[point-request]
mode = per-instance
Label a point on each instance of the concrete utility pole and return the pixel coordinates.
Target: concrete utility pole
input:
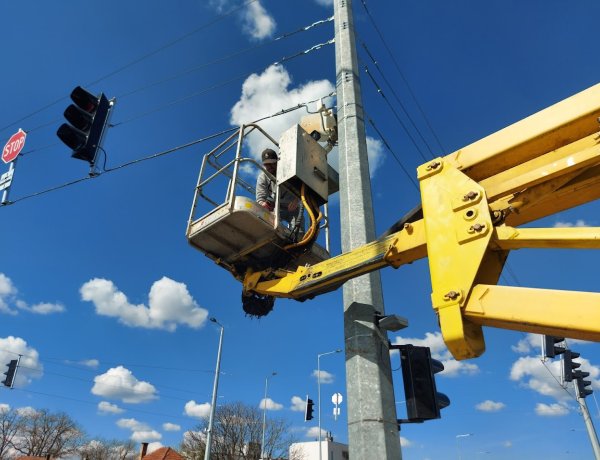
(372, 422)
(588, 421)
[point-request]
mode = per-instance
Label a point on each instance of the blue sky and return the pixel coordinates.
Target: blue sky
(98, 283)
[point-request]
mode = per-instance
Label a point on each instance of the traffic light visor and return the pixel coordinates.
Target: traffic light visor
(85, 100)
(72, 137)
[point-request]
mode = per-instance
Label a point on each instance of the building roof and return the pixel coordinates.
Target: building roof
(164, 453)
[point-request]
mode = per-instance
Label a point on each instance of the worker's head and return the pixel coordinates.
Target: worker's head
(269, 160)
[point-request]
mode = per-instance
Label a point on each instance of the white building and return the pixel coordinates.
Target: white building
(310, 450)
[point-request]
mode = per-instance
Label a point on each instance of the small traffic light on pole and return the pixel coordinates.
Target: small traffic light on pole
(308, 410)
(423, 402)
(584, 386)
(10, 374)
(569, 365)
(87, 120)
(550, 348)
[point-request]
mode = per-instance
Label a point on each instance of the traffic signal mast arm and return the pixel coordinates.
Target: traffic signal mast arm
(471, 200)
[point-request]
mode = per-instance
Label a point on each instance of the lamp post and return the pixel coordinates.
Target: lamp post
(319, 391)
(262, 446)
(214, 394)
(466, 435)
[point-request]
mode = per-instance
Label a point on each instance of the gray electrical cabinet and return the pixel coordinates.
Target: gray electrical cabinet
(302, 160)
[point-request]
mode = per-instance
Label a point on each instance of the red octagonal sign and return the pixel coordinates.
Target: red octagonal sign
(14, 146)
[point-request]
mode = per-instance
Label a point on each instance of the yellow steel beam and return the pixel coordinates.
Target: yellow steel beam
(543, 311)
(547, 130)
(555, 164)
(507, 238)
(397, 249)
(583, 188)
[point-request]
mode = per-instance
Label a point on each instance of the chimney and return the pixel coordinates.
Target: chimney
(144, 450)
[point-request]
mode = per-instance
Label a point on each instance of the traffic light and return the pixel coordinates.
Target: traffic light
(584, 386)
(423, 402)
(569, 366)
(10, 374)
(308, 411)
(87, 119)
(550, 348)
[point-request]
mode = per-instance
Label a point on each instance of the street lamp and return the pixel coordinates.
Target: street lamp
(319, 391)
(262, 446)
(214, 394)
(466, 435)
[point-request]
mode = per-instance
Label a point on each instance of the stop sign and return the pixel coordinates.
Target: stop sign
(14, 146)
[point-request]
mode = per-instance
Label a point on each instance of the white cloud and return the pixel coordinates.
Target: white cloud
(551, 410)
(269, 404)
(258, 22)
(29, 367)
(169, 304)
(313, 432)
(26, 411)
(298, 404)
(104, 407)
(405, 442)
(490, 406)
(171, 427)
(324, 2)
(439, 351)
(152, 446)
(4, 408)
(577, 223)
(7, 292)
(193, 409)
(93, 363)
(119, 383)
(507, 444)
(529, 343)
(268, 93)
(140, 431)
(544, 378)
(8, 297)
(326, 377)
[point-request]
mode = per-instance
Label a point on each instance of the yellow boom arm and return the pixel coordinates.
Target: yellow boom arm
(472, 201)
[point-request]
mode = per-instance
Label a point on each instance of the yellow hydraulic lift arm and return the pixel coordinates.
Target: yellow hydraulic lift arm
(541, 165)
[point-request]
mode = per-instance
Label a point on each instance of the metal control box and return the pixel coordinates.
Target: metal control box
(302, 160)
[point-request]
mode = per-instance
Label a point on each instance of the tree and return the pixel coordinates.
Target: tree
(100, 449)
(41, 433)
(9, 427)
(237, 434)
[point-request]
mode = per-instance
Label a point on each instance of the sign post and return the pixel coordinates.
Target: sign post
(11, 150)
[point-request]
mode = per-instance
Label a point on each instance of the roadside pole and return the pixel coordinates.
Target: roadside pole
(372, 422)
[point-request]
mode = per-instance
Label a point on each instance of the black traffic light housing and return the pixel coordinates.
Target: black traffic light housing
(10, 374)
(569, 365)
(423, 402)
(87, 119)
(550, 348)
(584, 386)
(308, 410)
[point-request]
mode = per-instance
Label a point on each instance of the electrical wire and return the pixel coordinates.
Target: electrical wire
(159, 154)
(374, 24)
(137, 60)
(225, 58)
(391, 88)
(382, 94)
(94, 403)
(387, 146)
(223, 83)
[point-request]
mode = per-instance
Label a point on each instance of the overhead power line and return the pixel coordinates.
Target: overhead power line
(137, 60)
(223, 83)
(411, 92)
(159, 154)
